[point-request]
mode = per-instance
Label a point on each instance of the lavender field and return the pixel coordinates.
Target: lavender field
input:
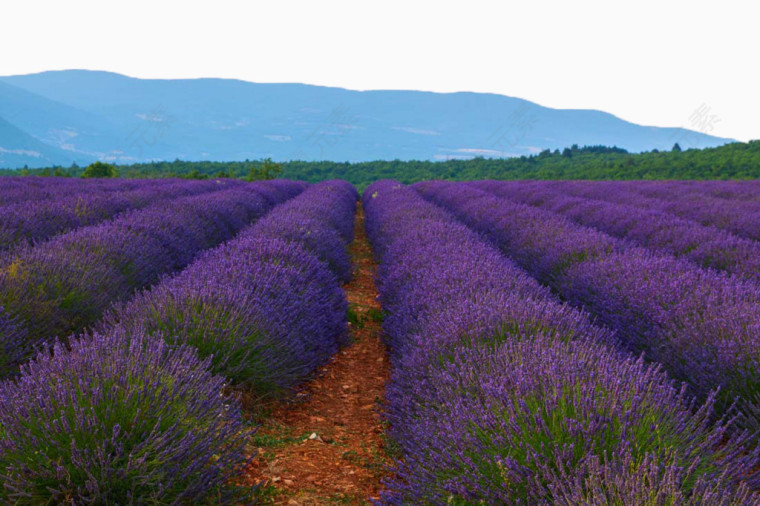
(553, 342)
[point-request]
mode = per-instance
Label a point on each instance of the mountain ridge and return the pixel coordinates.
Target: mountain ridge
(138, 120)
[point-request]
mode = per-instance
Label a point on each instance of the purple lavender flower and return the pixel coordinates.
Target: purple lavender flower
(264, 305)
(702, 325)
(742, 217)
(13, 344)
(500, 394)
(26, 189)
(117, 418)
(35, 220)
(65, 284)
(708, 246)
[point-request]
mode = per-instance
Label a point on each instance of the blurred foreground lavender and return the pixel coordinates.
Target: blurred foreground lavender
(117, 419)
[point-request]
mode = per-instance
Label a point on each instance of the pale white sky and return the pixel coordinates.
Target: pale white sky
(650, 62)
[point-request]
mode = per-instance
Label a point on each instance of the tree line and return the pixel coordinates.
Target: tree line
(732, 161)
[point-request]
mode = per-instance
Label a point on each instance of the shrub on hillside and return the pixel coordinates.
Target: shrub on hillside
(100, 169)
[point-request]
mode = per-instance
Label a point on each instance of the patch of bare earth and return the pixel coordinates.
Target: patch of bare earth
(328, 446)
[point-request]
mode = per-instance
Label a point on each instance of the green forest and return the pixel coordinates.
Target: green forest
(731, 161)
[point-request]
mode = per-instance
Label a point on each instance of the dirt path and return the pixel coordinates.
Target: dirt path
(328, 446)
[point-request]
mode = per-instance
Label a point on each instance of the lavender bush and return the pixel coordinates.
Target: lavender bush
(740, 217)
(703, 326)
(544, 420)
(26, 189)
(729, 190)
(321, 221)
(65, 284)
(12, 349)
(708, 246)
(118, 419)
(499, 394)
(33, 221)
(263, 306)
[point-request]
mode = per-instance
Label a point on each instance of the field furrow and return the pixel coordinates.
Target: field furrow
(327, 445)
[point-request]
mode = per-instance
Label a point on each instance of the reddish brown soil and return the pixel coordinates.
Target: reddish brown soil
(328, 446)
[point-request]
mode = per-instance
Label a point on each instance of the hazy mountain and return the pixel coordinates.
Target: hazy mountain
(17, 148)
(113, 117)
(85, 134)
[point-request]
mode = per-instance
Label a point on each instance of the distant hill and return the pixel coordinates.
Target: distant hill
(17, 148)
(125, 120)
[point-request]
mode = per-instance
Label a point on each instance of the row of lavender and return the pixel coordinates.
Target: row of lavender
(35, 220)
(63, 285)
(702, 325)
(22, 189)
(705, 245)
(687, 190)
(140, 410)
(499, 394)
(739, 216)
(729, 190)
(267, 305)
